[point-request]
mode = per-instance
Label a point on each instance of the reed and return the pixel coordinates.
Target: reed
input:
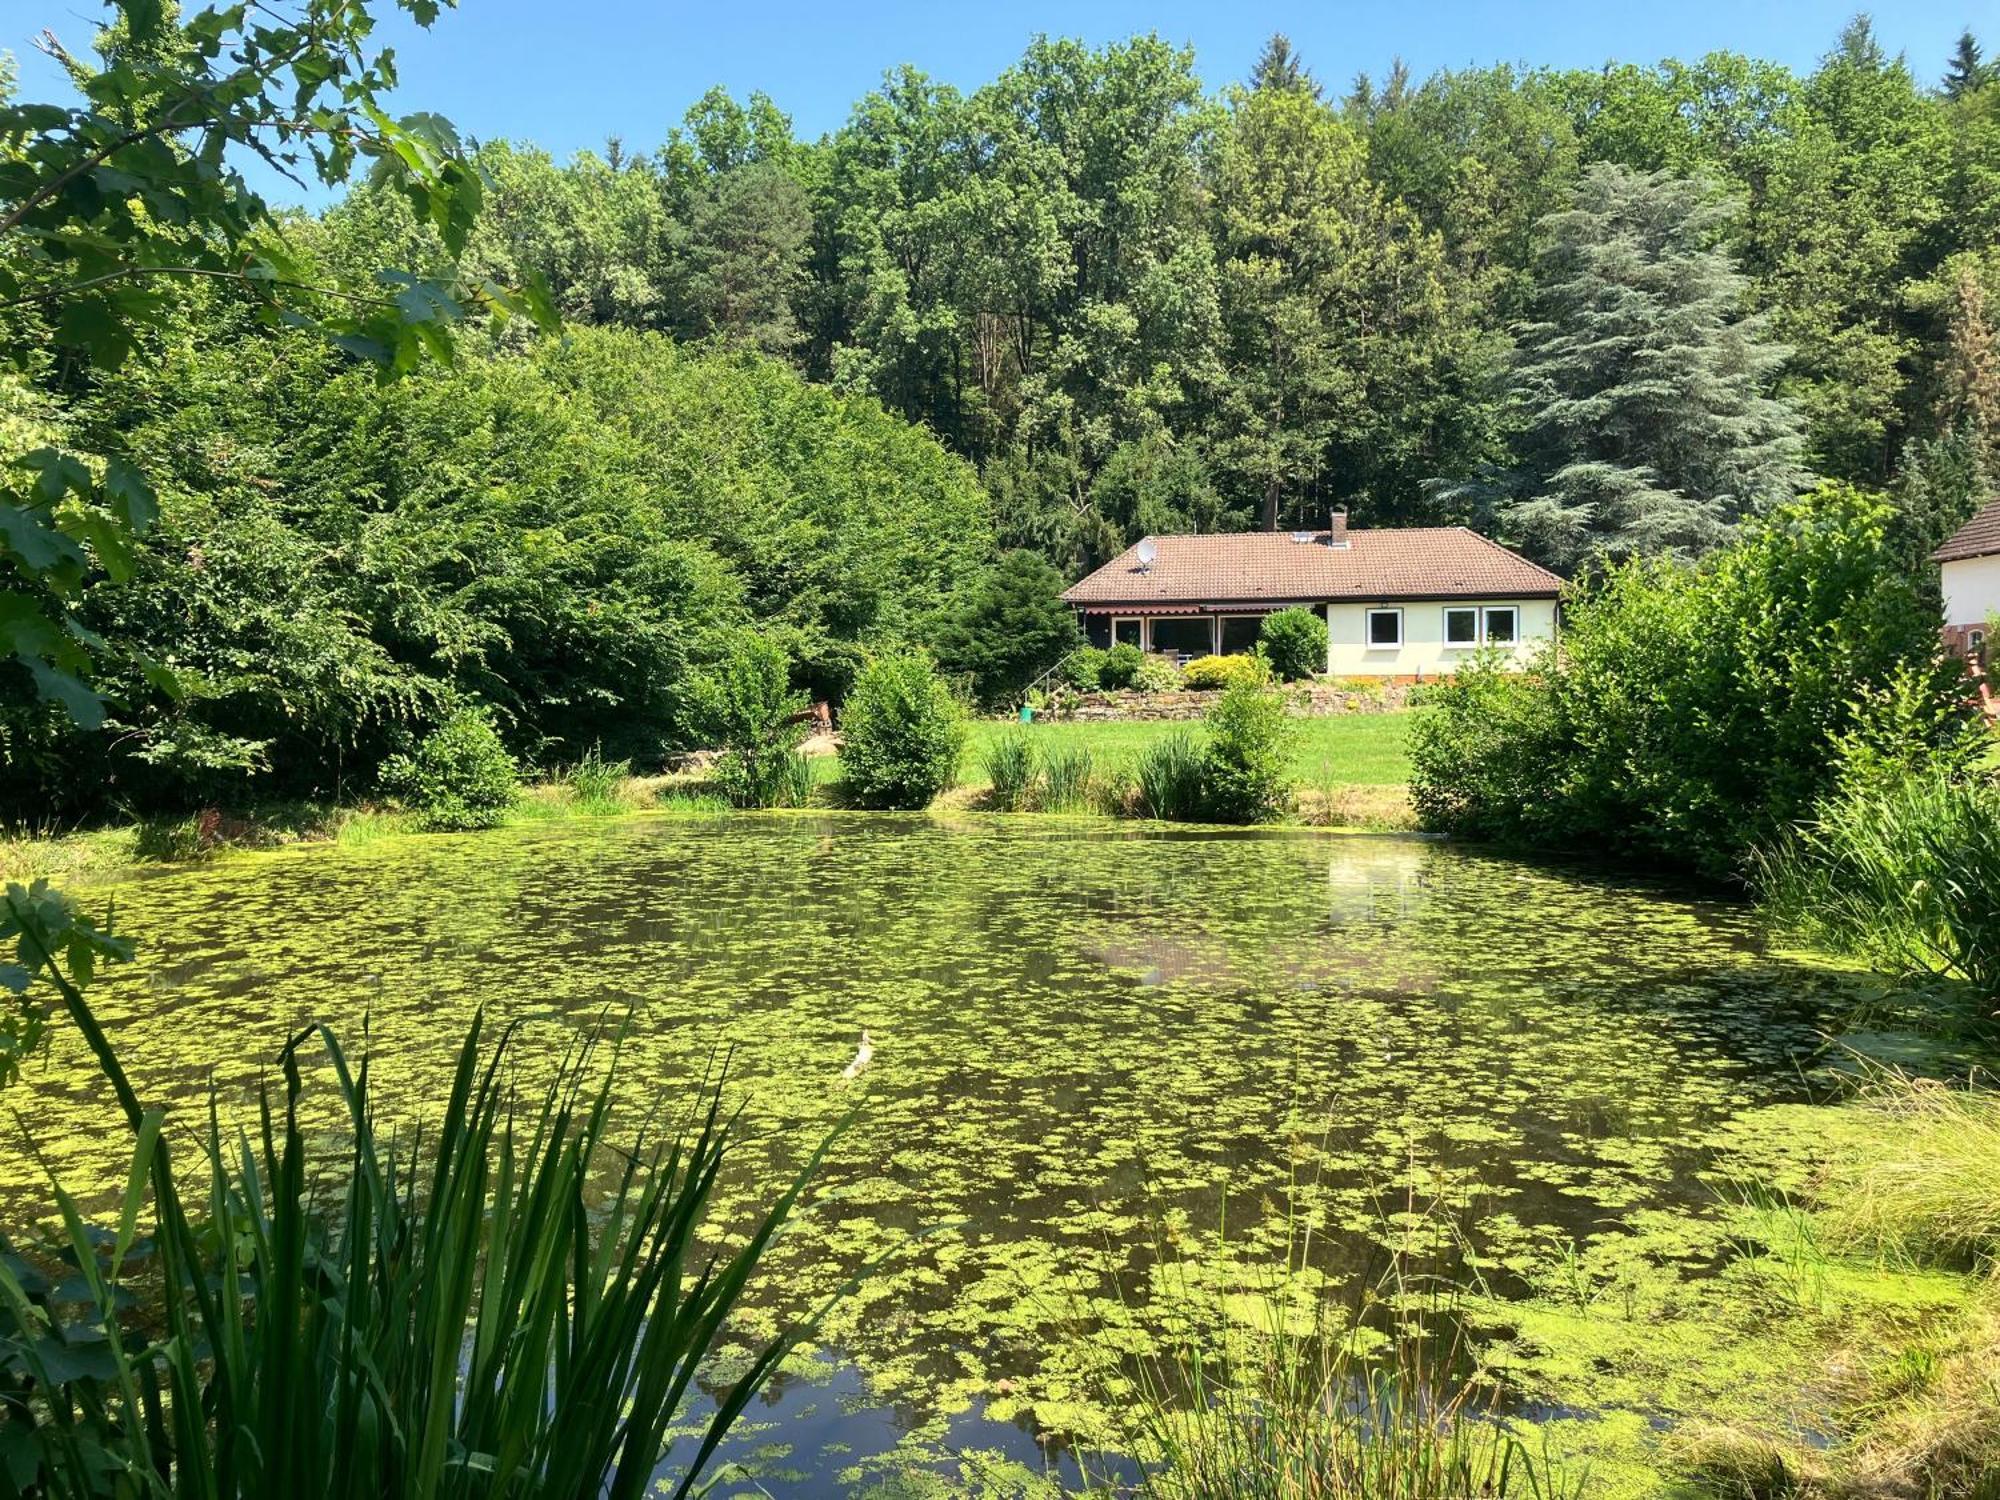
(1009, 761)
(516, 1305)
(1066, 777)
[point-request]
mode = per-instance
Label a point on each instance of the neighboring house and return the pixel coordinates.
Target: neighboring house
(1403, 603)
(1970, 565)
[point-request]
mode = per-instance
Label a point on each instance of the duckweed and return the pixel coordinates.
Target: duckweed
(1094, 1050)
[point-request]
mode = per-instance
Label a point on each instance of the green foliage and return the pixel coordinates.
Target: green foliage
(568, 536)
(1246, 772)
(1083, 669)
(747, 706)
(1641, 388)
(1010, 764)
(343, 1327)
(1693, 712)
(1207, 674)
(1171, 777)
(1156, 674)
(459, 777)
(1120, 666)
(50, 939)
(1897, 865)
(902, 733)
(597, 785)
(1481, 751)
(113, 208)
(1293, 641)
(1066, 778)
(1010, 627)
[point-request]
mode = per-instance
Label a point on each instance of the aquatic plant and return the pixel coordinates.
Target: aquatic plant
(1902, 870)
(1278, 1391)
(598, 786)
(1009, 763)
(902, 733)
(1929, 1185)
(518, 1304)
(1169, 773)
(1066, 777)
(459, 777)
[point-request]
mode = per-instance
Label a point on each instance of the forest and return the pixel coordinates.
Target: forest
(820, 388)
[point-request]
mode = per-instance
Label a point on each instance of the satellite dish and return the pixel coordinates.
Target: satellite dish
(1147, 550)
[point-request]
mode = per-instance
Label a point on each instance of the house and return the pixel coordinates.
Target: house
(1970, 565)
(1406, 603)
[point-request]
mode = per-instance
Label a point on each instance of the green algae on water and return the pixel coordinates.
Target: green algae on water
(1088, 1042)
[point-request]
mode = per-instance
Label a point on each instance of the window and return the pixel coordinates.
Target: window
(1385, 629)
(1502, 625)
(1239, 634)
(1461, 627)
(1184, 635)
(1125, 633)
(1975, 644)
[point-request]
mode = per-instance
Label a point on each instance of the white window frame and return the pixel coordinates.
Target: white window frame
(1139, 620)
(1485, 632)
(1368, 641)
(1478, 626)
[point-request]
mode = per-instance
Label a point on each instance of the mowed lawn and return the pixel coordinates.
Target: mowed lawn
(1346, 749)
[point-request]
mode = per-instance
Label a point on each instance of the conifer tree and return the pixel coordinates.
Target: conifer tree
(1969, 398)
(1966, 71)
(1641, 389)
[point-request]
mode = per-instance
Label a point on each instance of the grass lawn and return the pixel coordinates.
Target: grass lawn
(1343, 749)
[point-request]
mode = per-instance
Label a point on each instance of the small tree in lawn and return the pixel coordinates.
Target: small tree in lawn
(1294, 642)
(1641, 389)
(746, 705)
(902, 733)
(1011, 626)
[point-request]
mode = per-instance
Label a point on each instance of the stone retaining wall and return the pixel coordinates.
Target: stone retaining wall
(1305, 701)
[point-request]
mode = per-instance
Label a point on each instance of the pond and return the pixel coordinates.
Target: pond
(1089, 1041)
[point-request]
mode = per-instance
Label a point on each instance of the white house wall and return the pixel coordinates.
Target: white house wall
(1971, 590)
(1424, 652)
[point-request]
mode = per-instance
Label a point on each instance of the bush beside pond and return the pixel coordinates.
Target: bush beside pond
(459, 777)
(902, 733)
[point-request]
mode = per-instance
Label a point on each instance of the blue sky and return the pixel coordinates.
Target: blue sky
(568, 75)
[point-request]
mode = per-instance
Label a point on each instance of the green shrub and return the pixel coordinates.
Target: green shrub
(172, 841)
(746, 705)
(1119, 666)
(1248, 752)
(1009, 627)
(596, 785)
(1156, 674)
(1170, 773)
(902, 734)
(1009, 763)
(1481, 753)
(1293, 641)
(1066, 778)
(1206, 674)
(1693, 712)
(1083, 669)
(460, 777)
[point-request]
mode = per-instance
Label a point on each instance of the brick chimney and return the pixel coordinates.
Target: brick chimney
(1336, 529)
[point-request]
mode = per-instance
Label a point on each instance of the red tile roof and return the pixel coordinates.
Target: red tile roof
(1979, 537)
(1264, 567)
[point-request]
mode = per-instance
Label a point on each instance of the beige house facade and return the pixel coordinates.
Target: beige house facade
(1407, 604)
